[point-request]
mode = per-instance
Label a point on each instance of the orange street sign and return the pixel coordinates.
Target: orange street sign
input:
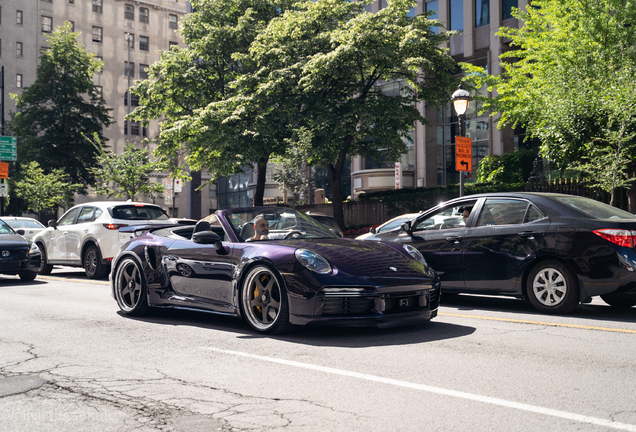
(4, 170)
(463, 154)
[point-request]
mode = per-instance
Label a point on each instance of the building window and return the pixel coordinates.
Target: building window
(19, 17)
(129, 12)
(482, 12)
(144, 132)
(134, 99)
(48, 1)
(432, 6)
(233, 191)
(456, 12)
(506, 8)
(71, 1)
(134, 128)
(97, 6)
(129, 69)
(144, 15)
(172, 23)
(144, 43)
(130, 38)
(0, 47)
(18, 80)
(72, 25)
(143, 71)
(97, 34)
(18, 49)
(47, 24)
(101, 68)
(171, 44)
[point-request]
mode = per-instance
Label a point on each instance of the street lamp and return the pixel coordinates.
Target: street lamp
(461, 99)
(127, 37)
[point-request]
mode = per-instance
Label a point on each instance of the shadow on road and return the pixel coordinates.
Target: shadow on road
(346, 337)
(592, 311)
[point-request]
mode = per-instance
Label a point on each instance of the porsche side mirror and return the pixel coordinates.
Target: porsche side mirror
(208, 237)
(53, 223)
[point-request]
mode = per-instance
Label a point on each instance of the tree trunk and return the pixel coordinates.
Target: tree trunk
(335, 173)
(612, 195)
(260, 181)
(631, 197)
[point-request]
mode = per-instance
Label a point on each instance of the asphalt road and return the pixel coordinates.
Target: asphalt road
(70, 362)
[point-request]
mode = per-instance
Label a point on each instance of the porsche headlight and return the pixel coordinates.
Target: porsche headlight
(313, 261)
(34, 249)
(415, 254)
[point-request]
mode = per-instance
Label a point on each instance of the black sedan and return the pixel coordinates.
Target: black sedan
(555, 250)
(274, 267)
(17, 254)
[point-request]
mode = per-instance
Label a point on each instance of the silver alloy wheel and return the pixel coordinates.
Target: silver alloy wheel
(262, 298)
(550, 287)
(128, 286)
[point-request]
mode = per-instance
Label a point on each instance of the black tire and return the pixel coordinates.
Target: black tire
(131, 291)
(27, 276)
(264, 301)
(552, 288)
(45, 268)
(620, 300)
(93, 264)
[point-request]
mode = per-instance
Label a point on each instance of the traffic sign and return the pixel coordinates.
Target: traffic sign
(8, 148)
(4, 170)
(463, 154)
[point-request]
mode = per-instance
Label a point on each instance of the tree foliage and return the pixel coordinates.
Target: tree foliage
(320, 66)
(571, 81)
(127, 174)
(513, 167)
(42, 191)
(292, 170)
(59, 108)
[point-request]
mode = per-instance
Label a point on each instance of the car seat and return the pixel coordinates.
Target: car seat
(202, 226)
(247, 231)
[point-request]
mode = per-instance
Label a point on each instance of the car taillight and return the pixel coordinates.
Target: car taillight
(114, 226)
(620, 237)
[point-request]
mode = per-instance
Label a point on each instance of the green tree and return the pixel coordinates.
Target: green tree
(320, 66)
(571, 82)
(513, 167)
(191, 90)
(292, 168)
(42, 191)
(127, 174)
(59, 108)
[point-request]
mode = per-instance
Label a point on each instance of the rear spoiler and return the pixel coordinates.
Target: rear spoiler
(149, 227)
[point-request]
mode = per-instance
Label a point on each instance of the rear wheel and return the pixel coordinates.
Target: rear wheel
(28, 276)
(619, 300)
(93, 264)
(45, 268)
(264, 301)
(552, 288)
(130, 288)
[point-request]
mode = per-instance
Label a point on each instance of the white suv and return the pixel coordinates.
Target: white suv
(87, 235)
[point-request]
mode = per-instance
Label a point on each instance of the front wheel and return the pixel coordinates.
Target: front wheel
(28, 276)
(45, 268)
(93, 264)
(264, 301)
(620, 300)
(552, 288)
(130, 288)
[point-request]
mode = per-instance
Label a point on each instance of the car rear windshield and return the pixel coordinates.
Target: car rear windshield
(595, 209)
(139, 212)
(21, 223)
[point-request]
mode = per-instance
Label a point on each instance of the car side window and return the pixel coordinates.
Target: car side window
(502, 212)
(98, 213)
(446, 218)
(69, 217)
(533, 214)
(86, 215)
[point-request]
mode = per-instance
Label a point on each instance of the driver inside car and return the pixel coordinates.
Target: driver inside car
(261, 229)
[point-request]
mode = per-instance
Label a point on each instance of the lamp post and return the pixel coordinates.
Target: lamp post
(127, 37)
(461, 98)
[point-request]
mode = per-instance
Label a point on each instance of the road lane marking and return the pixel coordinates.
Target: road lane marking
(609, 329)
(438, 390)
(74, 280)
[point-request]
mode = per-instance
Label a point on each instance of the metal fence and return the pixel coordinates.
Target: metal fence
(580, 187)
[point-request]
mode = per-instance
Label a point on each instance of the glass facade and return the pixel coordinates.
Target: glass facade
(233, 191)
(433, 6)
(506, 8)
(456, 12)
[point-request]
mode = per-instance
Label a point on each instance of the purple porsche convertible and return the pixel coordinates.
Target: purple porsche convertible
(275, 268)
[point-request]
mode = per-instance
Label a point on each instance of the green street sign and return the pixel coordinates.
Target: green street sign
(8, 148)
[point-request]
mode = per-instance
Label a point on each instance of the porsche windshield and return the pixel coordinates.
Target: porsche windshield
(275, 223)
